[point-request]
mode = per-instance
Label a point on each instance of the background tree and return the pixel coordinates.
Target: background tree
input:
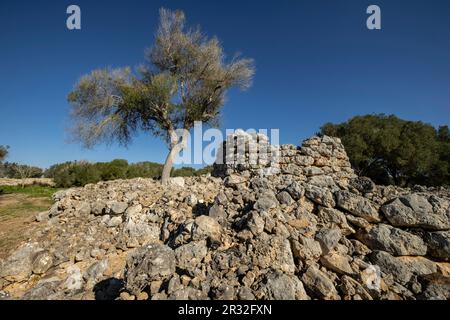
(3, 152)
(391, 150)
(184, 80)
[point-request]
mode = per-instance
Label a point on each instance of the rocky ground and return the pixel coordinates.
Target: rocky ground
(308, 228)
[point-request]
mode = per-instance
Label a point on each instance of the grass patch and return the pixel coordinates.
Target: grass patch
(26, 207)
(32, 191)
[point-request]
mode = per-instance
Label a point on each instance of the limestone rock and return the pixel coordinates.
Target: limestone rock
(395, 241)
(357, 205)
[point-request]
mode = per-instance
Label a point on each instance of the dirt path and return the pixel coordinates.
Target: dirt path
(17, 213)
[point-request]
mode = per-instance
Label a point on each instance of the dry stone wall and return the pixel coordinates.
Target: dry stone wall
(301, 227)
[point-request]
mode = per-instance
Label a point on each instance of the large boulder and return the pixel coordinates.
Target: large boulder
(357, 205)
(439, 244)
(395, 241)
(280, 286)
(154, 262)
(415, 210)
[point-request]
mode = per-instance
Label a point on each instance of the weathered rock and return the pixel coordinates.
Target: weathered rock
(395, 241)
(333, 218)
(279, 286)
(205, 227)
(337, 262)
(353, 290)
(189, 256)
(318, 283)
(328, 239)
(177, 182)
(42, 216)
(118, 207)
(285, 198)
(363, 184)
(42, 262)
(439, 244)
(357, 206)
(414, 210)
(296, 190)
(266, 201)
(74, 281)
(149, 263)
(19, 265)
(260, 231)
(320, 196)
(392, 265)
(306, 249)
(115, 222)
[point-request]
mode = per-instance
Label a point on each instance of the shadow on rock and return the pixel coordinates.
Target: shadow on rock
(108, 289)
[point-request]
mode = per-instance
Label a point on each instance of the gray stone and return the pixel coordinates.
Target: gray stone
(18, 266)
(74, 281)
(95, 272)
(266, 201)
(98, 207)
(118, 207)
(395, 241)
(357, 206)
(363, 184)
(319, 285)
(306, 249)
(319, 195)
(115, 222)
(42, 216)
(147, 264)
(279, 286)
(438, 244)
(392, 265)
(414, 210)
(83, 208)
(333, 218)
(328, 239)
(189, 256)
(285, 198)
(296, 190)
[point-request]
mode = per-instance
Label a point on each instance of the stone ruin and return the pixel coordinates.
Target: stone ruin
(300, 225)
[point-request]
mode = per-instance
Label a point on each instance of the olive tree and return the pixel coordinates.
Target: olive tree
(185, 79)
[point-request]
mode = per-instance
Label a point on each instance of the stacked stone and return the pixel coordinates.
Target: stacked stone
(243, 152)
(316, 158)
(300, 234)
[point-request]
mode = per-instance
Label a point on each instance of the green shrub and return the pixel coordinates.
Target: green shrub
(80, 173)
(394, 151)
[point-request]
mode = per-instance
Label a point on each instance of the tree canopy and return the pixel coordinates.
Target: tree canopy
(185, 79)
(391, 150)
(3, 152)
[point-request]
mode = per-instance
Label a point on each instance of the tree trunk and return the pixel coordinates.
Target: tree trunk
(168, 166)
(176, 148)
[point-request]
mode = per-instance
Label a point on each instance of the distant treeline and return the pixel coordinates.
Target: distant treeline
(395, 151)
(80, 173)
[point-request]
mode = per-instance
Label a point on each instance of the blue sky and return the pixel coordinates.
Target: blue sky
(316, 62)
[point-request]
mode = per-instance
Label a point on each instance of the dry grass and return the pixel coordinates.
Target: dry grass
(17, 213)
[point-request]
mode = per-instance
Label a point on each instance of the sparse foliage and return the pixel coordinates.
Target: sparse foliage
(3, 152)
(184, 80)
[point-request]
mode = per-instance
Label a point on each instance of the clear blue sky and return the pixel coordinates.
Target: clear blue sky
(316, 62)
